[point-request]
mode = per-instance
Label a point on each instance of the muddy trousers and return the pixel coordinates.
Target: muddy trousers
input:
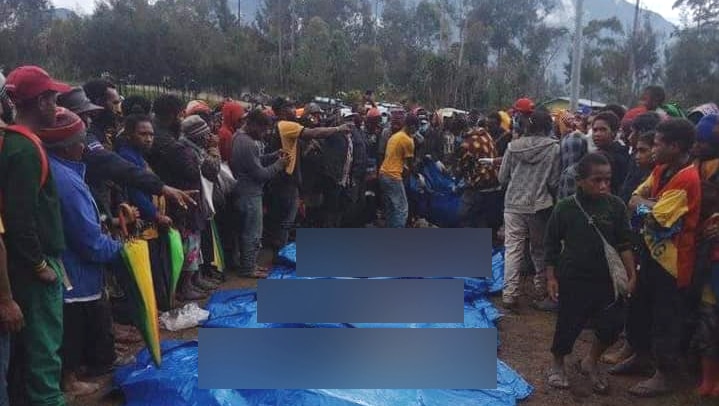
(35, 365)
(518, 228)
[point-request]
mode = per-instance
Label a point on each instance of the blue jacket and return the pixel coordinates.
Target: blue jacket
(137, 198)
(88, 248)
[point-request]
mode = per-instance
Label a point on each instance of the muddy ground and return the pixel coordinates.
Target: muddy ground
(525, 340)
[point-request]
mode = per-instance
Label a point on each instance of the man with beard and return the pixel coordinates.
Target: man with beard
(104, 125)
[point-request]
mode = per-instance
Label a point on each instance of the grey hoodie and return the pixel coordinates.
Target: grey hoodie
(530, 174)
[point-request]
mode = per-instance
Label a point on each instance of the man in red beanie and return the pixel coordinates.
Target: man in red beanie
(35, 239)
(87, 318)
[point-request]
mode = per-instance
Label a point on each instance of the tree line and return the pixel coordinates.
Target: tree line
(461, 53)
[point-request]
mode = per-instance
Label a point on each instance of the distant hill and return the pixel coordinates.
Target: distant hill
(563, 16)
(594, 9)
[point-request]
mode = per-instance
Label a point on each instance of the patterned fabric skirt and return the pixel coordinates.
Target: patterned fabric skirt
(193, 252)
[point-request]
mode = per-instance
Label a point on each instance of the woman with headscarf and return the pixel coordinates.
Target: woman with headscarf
(201, 150)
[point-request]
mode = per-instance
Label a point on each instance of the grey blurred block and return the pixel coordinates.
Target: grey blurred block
(360, 301)
(347, 358)
(396, 252)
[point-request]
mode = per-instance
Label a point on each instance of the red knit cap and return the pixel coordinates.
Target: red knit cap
(68, 130)
(632, 114)
(524, 105)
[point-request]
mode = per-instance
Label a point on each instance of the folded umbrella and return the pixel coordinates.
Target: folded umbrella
(217, 251)
(136, 254)
(177, 260)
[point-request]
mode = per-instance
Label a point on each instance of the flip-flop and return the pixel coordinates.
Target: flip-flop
(624, 368)
(642, 391)
(557, 381)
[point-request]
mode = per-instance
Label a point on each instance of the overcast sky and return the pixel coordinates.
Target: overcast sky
(663, 7)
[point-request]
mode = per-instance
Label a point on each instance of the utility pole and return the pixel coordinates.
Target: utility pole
(577, 55)
(633, 52)
(376, 21)
(239, 12)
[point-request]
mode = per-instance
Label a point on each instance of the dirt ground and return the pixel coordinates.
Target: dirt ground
(525, 340)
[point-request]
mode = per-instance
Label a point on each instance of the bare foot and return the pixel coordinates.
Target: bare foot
(558, 378)
(599, 383)
(652, 387)
(79, 388)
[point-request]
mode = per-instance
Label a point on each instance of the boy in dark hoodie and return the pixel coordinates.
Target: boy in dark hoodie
(530, 175)
(604, 135)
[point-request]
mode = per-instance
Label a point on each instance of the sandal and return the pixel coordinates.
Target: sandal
(558, 380)
(630, 366)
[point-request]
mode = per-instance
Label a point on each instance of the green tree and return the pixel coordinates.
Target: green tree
(312, 64)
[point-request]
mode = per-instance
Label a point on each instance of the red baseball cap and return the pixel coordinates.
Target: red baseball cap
(524, 105)
(27, 82)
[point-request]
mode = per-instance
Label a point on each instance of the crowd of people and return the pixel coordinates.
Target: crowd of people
(84, 170)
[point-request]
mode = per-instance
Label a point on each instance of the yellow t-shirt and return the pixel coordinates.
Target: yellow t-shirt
(400, 147)
(289, 134)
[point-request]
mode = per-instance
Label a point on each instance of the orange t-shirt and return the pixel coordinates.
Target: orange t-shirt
(400, 147)
(289, 135)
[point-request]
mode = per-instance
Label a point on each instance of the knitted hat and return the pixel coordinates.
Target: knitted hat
(68, 130)
(632, 114)
(705, 129)
(524, 105)
(196, 107)
(195, 128)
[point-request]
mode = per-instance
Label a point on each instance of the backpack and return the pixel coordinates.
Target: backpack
(30, 136)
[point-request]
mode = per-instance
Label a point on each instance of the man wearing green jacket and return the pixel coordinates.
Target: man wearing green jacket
(34, 238)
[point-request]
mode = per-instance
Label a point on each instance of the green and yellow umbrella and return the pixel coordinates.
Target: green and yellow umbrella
(136, 254)
(217, 252)
(177, 261)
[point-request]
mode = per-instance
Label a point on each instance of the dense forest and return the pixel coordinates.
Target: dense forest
(467, 53)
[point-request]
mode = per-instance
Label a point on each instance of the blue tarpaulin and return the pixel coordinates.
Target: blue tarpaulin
(176, 383)
(439, 201)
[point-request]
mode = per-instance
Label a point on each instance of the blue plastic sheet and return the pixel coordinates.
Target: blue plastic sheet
(176, 383)
(288, 255)
(440, 202)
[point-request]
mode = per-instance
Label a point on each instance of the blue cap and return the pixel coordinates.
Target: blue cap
(705, 129)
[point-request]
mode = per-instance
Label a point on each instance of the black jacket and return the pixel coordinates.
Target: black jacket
(618, 156)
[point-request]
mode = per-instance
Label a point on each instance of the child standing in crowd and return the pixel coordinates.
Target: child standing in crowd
(672, 196)
(578, 274)
(644, 161)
